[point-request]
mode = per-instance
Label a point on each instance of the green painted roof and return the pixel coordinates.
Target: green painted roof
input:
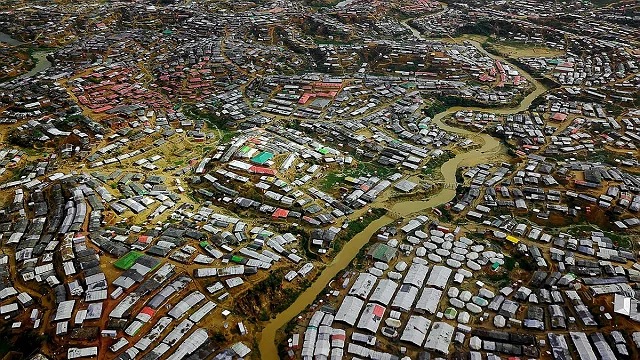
(127, 260)
(451, 311)
(262, 158)
(382, 252)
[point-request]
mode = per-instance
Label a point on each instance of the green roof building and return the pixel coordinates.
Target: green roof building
(262, 158)
(382, 252)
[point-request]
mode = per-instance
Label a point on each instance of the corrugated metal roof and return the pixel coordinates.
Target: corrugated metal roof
(416, 330)
(349, 310)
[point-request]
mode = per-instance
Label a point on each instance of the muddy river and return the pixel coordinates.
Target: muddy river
(491, 150)
(40, 57)
(7, 39)
(42, 64)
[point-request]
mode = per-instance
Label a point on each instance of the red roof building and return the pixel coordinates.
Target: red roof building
(261, 170)
(280, 213)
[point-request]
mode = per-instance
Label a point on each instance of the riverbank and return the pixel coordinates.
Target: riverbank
(491, 150)
(39, 56)
(9, 40)
(41, 63)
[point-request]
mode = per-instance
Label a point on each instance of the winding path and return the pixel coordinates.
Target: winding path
(490, 149)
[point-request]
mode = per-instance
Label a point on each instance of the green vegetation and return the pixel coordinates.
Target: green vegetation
(274, 280)
(227, 136)
(479, 237)
(326, 41)
(305, 244)
(363, 168)
(218, 337)
(488, 28)
(331, 180)
(614, 109)
(600, 155)
(290, 295)
(25, 139)
(17, 174)
(446, 214)
(356, 227)
(509, 263)
(435, 108)
(263, 316)
(25, 343)
(446, 102)
(75, 117)
(295, 124)
(524, 262)
(601, 3)
(434, 164)
(322, 3)
(34, 152)
(361, 260)
(499, 279)
(269, 296)
(510, 48)
(212, 120)
(5, 347)
(620, 240)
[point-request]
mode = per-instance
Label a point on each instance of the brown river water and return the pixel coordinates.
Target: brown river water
(490, 151)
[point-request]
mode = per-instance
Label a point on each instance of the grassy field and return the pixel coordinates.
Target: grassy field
(520, 50)
(333, 179)
(227, 136)
(462, 38)
(509, 49)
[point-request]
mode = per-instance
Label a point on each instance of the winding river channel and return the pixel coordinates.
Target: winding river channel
(42, 64)
(40, 57)
(491, 150)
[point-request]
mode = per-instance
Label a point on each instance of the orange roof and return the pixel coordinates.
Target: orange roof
(262, 170)
(280, 213)
(305, 97)
(378, 311)
(148, 311)
(328, 85)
